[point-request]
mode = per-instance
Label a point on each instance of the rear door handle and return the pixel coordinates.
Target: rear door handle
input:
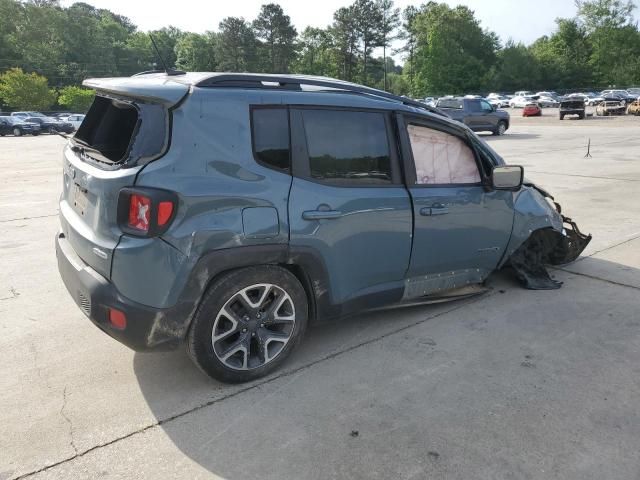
(321, 214)
(434, 210)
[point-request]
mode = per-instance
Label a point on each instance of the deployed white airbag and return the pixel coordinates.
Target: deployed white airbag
(441, 158)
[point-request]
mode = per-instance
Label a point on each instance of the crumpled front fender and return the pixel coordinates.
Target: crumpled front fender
(541, 235)
(532, 212)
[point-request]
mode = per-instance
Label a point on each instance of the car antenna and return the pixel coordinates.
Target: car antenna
(167, 70)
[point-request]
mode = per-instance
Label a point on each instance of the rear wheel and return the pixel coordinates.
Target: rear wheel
(248, 322)
(561, 116)
(17, 132)
(501, 128)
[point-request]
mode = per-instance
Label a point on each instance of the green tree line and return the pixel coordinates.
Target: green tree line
(443, 49)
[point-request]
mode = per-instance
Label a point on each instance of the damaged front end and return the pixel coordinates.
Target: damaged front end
(541, 236)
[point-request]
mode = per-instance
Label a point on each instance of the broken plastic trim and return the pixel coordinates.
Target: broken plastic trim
(547, 247)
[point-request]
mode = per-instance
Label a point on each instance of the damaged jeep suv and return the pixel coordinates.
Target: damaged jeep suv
(227, 211)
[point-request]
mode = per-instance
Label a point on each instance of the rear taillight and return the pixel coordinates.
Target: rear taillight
(139, 212)
(146, 212)
(165, 211)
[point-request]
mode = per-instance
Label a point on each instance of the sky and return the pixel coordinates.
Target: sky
(521, 20)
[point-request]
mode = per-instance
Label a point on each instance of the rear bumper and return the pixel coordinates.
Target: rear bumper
(147, 328)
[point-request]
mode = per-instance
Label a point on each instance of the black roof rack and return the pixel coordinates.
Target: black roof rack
(294, 82)
(169, 72)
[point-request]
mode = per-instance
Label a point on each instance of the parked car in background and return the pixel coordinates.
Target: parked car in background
(524, 93)
(476, 113)
(520, 102)
(634, 108)
(27, 114)
(384, 202)
(498, 101)
(551, 94)
(622, 94)
(17, 127)
(531, 110)
(51, 125)
(60, 115)
(546, 101)
(75, 119)
(611, 106)
(634, 91)
(593, 98)
(572, 105)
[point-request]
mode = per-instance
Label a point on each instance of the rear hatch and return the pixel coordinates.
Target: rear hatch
(126, 127)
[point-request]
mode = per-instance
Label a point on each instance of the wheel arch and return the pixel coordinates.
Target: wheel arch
(305, 264)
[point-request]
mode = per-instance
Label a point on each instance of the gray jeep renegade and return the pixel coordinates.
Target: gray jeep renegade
(228, 211)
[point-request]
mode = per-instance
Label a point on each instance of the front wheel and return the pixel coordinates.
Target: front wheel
(17, 132)
(247, 323)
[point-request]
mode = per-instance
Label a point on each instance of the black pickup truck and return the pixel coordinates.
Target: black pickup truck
(572, 106)
(476, 113)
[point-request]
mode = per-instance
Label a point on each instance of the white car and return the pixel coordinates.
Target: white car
(520, 101)
(75, 120)
(523, 93)
(498, 101)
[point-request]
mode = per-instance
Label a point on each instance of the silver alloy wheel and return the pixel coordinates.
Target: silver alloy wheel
(17, 132)
(501, 128)
(253, 326)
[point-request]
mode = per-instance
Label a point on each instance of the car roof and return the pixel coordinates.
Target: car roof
(170, 88)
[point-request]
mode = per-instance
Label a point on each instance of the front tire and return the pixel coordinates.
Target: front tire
(247, 323)
(17, 132)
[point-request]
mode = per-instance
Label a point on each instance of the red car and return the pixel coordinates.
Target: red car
(531, 110)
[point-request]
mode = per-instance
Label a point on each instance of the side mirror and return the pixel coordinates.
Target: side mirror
(507, 177)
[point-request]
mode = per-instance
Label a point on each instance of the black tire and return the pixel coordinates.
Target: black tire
(35, 134)
(17, 132)
(206, 351)
(561, 117)
(581, 116)
(501, 128)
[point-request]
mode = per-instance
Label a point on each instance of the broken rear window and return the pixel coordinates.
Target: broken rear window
(123, 132)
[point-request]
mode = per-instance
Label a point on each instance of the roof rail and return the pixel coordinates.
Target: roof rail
(169, 72)
(294, 82)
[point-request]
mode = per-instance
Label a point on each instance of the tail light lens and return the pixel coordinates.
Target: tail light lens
(146, 212)
(139, 212)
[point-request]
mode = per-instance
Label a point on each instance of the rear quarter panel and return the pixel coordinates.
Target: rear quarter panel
(210, 166)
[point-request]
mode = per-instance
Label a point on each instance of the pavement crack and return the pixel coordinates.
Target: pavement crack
(68, 420)
(254, 386)
(593, 277)
(634, 236)
(28, 218)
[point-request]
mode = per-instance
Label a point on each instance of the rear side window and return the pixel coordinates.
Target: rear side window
(118, 131)
(450, 103)
(347, 147)
(474, 106)
(271, 137)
